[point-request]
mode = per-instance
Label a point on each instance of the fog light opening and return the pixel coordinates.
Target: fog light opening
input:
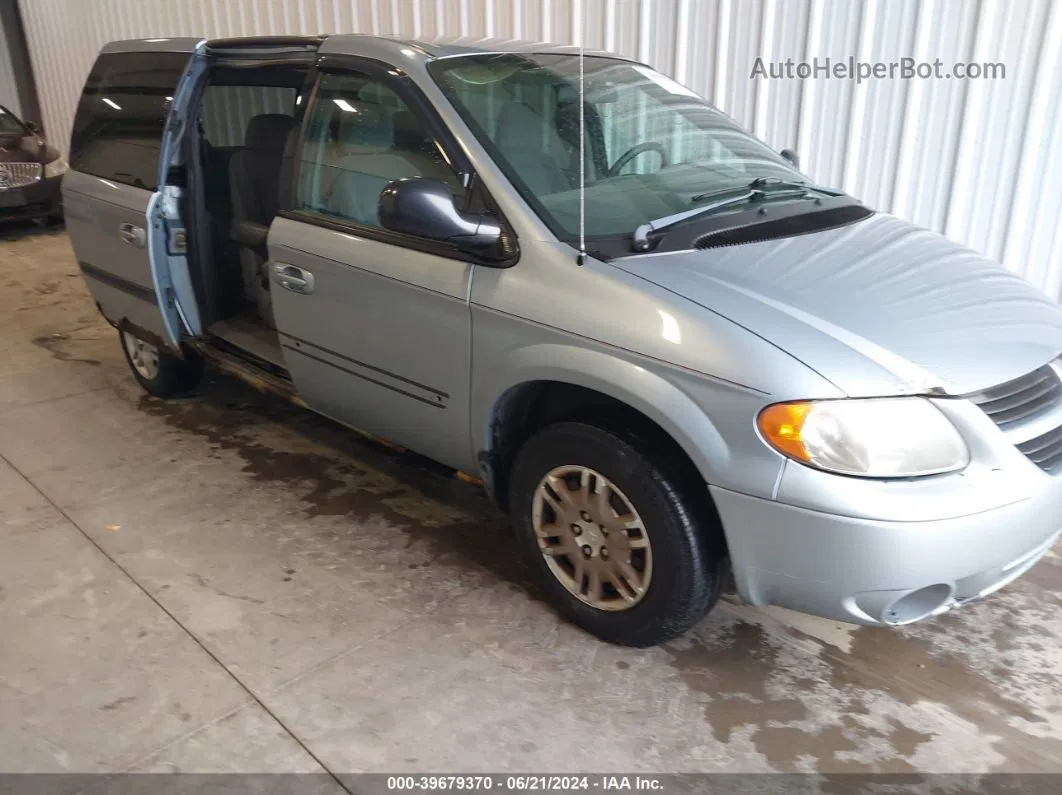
(917, 604)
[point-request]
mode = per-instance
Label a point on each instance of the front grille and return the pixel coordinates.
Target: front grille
(1045, 451)
(1022, 399)
(1029, 411)
(19, 175)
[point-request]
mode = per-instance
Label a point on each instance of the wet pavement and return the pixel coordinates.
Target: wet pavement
(227, 583)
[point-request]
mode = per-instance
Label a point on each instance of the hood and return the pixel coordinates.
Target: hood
(25, 149)
(878, 307)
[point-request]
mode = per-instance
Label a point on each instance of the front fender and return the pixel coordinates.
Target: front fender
(629, 382)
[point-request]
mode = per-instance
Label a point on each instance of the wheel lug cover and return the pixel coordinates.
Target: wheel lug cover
(587, 551)
(576, 530)
(604, 552)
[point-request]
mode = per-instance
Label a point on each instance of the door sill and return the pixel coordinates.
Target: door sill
(251, 336)
(274, 380)
(260, 374)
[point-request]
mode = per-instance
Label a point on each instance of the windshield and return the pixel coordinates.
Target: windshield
(9, 123)
(651, 146)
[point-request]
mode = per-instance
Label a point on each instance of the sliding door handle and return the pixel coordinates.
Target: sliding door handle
(132, 235)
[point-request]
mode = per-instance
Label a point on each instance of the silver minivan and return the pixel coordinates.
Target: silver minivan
(662, 349)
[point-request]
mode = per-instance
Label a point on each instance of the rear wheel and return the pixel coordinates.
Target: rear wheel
(619, 542)
(160, 372)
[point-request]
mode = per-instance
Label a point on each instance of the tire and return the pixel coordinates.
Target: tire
(686, 555)
(160, 373)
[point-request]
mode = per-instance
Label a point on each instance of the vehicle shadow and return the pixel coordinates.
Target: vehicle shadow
(20, 230)
(335, 471)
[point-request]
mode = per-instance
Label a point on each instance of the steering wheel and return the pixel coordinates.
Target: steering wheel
(634, 151)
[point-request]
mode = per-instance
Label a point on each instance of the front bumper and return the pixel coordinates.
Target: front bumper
(42, 198)
(869, 571)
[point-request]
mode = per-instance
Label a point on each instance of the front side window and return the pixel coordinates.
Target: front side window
(651, 145)
(360, 136)
(121, 116)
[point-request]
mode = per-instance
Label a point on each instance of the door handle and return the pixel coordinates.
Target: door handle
(133, 235)
(293, 278)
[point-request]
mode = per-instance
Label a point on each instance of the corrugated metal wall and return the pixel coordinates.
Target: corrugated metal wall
(8, 87)
(980, 160)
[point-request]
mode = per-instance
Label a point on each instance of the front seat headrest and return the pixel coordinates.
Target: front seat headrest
(521, 129)
(268, 132)
(365, 123)
(409, 134)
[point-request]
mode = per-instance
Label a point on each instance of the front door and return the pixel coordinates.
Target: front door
(122, 220)
(375, 326)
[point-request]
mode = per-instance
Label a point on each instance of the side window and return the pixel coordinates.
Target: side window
(227, 110)
(120, 118)
(360, 136)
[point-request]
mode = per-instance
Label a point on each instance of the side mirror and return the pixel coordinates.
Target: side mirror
(33, 128)
(792, 157)
(425, 208)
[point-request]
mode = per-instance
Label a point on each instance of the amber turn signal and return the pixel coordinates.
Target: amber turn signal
(782, 424)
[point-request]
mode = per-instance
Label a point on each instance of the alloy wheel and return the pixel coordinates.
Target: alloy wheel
(144, 357)
(592, 538)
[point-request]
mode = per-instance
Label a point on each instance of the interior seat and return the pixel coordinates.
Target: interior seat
(368, 163)
(410, 136)
(520, 139)
(254, 180)
(364, 129)
(361, 179)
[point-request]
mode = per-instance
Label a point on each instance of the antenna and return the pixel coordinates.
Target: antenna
(581, 258)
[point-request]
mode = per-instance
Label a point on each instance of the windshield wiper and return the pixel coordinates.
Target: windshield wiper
(760, 183)
(640, 239)
(760, 189)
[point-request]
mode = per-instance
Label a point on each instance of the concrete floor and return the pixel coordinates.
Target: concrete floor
(228, 584)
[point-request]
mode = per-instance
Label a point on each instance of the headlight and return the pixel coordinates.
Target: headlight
(873, 438)
(56, 168)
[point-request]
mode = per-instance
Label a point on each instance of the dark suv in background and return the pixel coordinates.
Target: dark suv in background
(30, 172)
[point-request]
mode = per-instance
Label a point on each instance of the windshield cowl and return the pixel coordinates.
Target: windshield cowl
(736, 225)
(757, 192)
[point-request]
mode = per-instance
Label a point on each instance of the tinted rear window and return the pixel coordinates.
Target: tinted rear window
(118, 127)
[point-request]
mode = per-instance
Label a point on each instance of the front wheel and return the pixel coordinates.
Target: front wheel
(619, 543)
(160, 372)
